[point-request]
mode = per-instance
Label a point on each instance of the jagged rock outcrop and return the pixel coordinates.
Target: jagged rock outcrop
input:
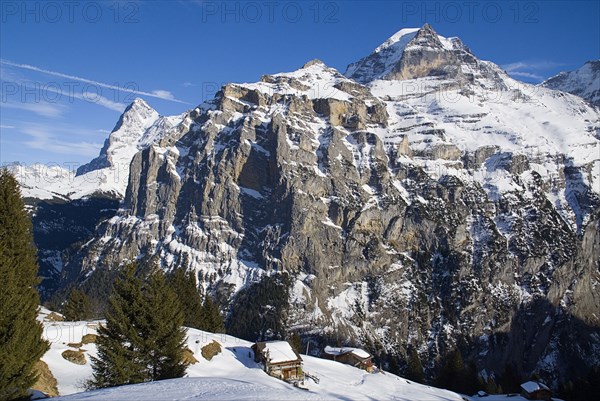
(424, 199)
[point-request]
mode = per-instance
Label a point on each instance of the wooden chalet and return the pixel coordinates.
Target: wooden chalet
(350, 356)
(535, 391)
(279, 360)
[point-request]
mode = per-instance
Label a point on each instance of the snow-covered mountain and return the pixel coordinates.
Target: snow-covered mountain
(453, 105)
(107, 174)
(424, 199)
(583, 82)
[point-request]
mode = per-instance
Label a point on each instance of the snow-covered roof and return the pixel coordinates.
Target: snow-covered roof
(279, 351)
(344, 350)
(531, 386)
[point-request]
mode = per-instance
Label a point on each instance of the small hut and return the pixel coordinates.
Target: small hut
(535, 391)
(279, 359)
(350, 356)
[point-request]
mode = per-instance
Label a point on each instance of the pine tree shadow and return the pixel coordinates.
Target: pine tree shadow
(245, 355)
(544, 342)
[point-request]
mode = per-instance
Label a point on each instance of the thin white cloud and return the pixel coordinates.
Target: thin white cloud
(530, 69)
(159, 93)
(91, 97)
(44, 138)
(163, 94)
(69, 95)
(526, 75)
(2, 126)
(530, 65)
(43, 109)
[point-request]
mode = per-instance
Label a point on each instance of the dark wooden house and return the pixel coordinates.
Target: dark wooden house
(350, 356)
(279, 359)
(535, 391)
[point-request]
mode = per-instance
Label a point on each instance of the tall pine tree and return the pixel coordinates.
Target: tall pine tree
(78, 306)
(166, 338)
(143, 338)
(414, 370)
(21, 344)
(212, 315)
(186, 287)
(452, 372)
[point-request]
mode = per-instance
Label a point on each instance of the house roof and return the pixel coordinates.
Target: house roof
(362, 354)
(531, 387)
(278, 351)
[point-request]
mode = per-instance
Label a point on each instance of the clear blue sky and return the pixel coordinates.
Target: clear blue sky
(55, 55)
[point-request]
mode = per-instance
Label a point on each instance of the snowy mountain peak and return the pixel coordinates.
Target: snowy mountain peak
(121, 143)
(404, 35)
(136, 118)
(314, 80)
(426, 37)
(412, 53)
(583, 82)
(138, 127)
(312, 62)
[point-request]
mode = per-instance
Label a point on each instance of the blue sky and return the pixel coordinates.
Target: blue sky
(69, 68)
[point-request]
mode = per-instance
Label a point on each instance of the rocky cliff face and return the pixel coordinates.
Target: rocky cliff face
(423, 199)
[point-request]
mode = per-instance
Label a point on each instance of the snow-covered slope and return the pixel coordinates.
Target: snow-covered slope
(583, 82)
(40, 181)
(230, 375)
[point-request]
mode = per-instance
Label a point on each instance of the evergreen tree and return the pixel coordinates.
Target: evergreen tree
(489, 385)
(143, 338)
(165, 338)
(78, 306)
(414, 370)
(212, 315)
(258, 311)
(186, 287)
(510, 381)
(452, 372)
(393, 366)
(21, 344)
(296, 342)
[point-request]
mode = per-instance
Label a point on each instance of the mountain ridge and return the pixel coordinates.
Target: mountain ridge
(583, 82)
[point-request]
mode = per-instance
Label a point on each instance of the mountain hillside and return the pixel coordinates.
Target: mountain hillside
(583, 82)
(424, 200)
(231, 374)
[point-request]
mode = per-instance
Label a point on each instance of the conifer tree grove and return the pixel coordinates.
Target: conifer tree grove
(21, 344)
(143, 338)
(186, 287)
(213, 318)
(78, 306)
(414, 370)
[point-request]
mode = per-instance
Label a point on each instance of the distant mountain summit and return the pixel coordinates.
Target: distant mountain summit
(122, 142)
(583, 82)
(416, 53)
(107, 175)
